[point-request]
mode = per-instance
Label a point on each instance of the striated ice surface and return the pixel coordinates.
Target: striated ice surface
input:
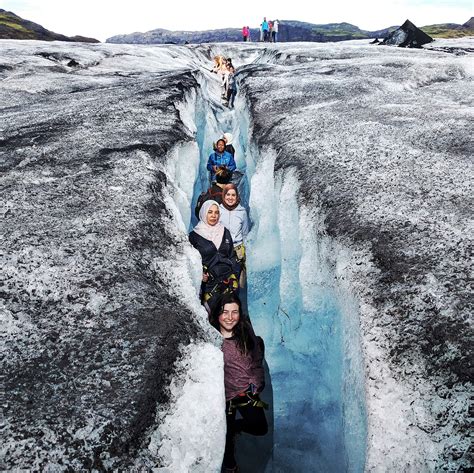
(380, 140)
(358, 162)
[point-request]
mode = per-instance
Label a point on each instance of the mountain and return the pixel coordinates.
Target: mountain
(450, 30)
(14, 27)
(162, 36)
(300, 31)
(290, 30)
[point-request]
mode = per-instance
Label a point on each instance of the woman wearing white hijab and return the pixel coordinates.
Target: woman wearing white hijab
(214, 243)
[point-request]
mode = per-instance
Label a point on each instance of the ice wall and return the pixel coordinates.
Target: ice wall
(189, 432)
(309, 323)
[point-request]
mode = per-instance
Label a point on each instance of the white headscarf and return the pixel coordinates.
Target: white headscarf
(213, 233)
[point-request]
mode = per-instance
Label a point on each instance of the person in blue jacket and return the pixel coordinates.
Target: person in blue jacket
(265, 29)
(220, 157)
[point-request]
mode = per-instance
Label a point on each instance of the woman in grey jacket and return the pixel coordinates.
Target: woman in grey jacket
(234, 217)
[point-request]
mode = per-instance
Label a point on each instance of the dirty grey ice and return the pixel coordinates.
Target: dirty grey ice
(358, 165)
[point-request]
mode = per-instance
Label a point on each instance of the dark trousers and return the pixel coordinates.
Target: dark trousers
(253, 422)
(231, 96)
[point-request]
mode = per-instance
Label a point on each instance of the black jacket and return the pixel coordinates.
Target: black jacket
(219, 263)
(230, 149)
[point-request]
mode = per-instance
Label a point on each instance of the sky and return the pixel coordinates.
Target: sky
(102, 19)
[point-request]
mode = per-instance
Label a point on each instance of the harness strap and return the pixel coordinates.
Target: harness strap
(247, 400)
(229, 284)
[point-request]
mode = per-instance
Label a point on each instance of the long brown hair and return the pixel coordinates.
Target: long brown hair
(242, 332)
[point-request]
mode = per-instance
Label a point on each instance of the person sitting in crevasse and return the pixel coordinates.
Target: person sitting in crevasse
(214, 242)
(228, 138)
(234, 217)
(219, 65)
(223, 177)
(230, 86)
(220, 157)
(243, 374)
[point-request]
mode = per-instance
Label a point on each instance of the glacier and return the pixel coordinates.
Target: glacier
(358, 170)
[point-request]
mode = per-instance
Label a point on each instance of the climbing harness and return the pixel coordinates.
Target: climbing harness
(243, 400)
(230, 284)
(240, 254)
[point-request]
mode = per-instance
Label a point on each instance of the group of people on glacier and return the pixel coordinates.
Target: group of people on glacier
(219, 237)
(268, 31)
(224, 67)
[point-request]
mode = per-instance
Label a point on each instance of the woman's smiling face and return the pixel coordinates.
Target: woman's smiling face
(220, 146)
(230, 197)
(229, 318)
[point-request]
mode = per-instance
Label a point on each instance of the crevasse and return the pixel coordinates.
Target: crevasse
(298, 301)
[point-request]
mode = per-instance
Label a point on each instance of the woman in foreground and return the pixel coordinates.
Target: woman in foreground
(243, 375)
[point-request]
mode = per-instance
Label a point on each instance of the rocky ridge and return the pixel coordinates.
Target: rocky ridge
(290, 31)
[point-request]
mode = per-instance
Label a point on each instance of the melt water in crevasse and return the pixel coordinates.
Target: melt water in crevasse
(317, 417)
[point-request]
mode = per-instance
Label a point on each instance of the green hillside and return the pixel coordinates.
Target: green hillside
(449, 30)
(14, 27)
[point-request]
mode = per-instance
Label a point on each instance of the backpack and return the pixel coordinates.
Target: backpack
(209, 194)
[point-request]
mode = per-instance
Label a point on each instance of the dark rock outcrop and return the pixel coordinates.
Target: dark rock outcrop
(407, 36)
(14, 27)
(469, 23)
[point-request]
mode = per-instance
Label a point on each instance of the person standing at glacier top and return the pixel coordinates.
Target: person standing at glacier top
(264, 27)
(244, 377)
(276, 25)
(220, 157)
